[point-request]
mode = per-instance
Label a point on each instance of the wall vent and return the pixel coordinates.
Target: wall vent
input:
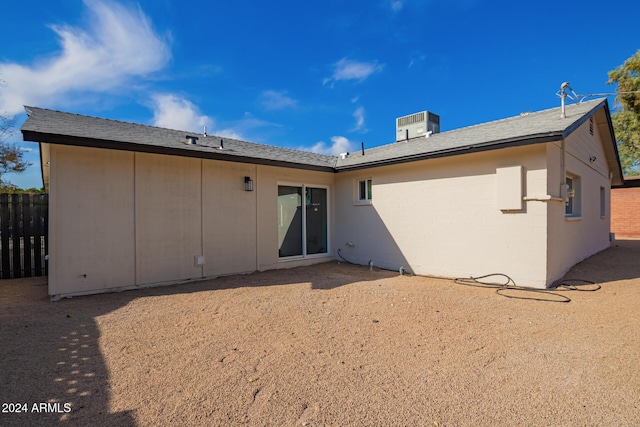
(417, 125)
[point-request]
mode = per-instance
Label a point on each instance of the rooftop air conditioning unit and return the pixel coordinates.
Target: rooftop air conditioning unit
(417, 125)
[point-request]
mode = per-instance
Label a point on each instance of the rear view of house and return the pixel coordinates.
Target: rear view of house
(133, 205)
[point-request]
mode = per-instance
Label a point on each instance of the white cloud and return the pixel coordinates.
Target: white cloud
(117, 44)
(396, 5)
(277, 100)
(359, 116)
(416, 58)
(339, 144)
(174, 112)
(347, 69)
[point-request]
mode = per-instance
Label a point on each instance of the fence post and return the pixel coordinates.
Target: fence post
(45, 202)
(4, 235)
(16, 209)
(27, 232)
(37, 234)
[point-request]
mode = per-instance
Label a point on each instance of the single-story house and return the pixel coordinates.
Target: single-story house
(625, 208)
(133, 205)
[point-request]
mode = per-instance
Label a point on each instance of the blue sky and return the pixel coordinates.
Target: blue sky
(322, 76)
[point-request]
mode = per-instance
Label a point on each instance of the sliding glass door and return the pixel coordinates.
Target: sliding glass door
(302, 221)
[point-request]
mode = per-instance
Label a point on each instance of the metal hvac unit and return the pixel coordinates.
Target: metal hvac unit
(417, 125)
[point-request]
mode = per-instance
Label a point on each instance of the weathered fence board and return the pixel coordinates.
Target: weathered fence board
(23, 235)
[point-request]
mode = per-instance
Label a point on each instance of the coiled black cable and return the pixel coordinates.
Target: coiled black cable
(551, 294)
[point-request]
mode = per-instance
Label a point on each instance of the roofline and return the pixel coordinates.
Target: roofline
(467, 149)
(34, 136)
(495, 145)
(629, 182)
(45, 137)
(613, 138)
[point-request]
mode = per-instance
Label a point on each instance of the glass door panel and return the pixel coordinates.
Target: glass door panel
(316, 220)
(289, 221)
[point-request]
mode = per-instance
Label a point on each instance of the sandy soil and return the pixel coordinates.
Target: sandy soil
(334, 345)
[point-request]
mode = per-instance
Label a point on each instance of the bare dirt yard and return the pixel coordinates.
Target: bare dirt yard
(329, 345)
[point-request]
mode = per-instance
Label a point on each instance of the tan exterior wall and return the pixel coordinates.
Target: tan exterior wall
(572, 239)
(91, 220)
(229, 218)
(121, 219)
(441, 217)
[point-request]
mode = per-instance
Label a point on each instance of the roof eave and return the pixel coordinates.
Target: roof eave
(29, 135)
(467, 149)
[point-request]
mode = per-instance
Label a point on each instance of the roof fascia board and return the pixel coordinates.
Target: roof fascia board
(468, 149)
(614, 141)
(127, 146)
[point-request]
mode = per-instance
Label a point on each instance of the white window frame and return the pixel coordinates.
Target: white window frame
(304, 222)
(574, 196)
(368, 189)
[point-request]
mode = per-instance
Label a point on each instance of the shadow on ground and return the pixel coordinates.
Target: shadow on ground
(621, 261)
(57, 343)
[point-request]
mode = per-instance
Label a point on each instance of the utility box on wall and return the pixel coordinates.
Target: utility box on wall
(509, 188)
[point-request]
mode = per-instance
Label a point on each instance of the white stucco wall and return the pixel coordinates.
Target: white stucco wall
(572, 239)
(121, 219)
(441, 217)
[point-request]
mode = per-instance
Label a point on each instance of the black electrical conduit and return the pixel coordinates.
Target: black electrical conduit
(502, 289)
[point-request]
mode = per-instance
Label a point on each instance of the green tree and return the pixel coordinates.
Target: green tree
(10, 154)
(626, 119)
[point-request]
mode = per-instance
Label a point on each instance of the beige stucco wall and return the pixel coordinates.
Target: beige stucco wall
(572, 239)
(91, 220)
(441, 217)
(121, 219)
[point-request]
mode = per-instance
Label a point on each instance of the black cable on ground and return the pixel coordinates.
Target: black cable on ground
(577, 285)
(551, 294)
(507, 284)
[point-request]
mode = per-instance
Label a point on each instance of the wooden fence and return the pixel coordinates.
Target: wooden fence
(24, 230)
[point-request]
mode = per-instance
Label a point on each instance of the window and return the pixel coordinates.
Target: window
(364, 190)
(572, 200)
(302, 231)
(603, 205)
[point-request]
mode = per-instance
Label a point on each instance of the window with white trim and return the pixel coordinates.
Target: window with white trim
(603, 202)
(572, 199)
(364, 187)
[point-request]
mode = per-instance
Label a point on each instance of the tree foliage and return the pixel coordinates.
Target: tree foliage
(626, 120)
(10, 154)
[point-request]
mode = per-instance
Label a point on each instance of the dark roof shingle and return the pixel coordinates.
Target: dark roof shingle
(51, 126)
(541, 126)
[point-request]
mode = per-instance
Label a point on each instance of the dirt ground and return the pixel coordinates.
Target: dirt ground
(329, 345)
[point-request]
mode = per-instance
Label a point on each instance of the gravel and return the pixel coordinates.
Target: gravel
(327, 345)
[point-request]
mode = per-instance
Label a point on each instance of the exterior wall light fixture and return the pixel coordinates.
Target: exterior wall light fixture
(248, 183)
